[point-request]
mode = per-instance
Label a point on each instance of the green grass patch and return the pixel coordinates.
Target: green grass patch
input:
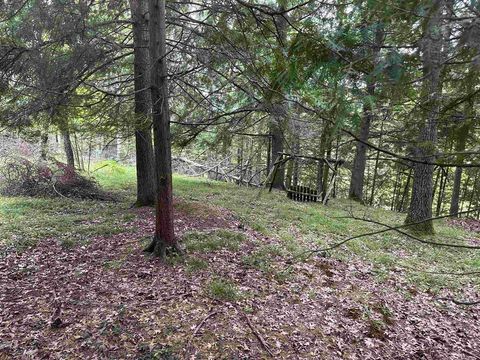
(223, 289)
(25, 221)
(113, 176)
(195, 264)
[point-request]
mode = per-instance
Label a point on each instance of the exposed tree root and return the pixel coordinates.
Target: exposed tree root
(159, 248)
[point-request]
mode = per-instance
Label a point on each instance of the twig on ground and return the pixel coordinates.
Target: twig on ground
(197, 329)
(461, 302)
(393, 228)
(259, 336)
(413, 237)
(55, 189)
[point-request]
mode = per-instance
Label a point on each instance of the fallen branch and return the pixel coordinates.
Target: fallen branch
(413, 237)
(460, 302)
(197, 329)
(259, 336)
(393, 228)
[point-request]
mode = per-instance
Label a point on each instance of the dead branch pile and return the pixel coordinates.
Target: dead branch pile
(20, 176)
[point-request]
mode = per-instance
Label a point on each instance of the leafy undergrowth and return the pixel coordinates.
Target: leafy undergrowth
(241, 292)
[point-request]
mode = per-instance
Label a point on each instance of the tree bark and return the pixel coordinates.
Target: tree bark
(420, 208)
(67, 145)
(375, 169)
(143, 134)
(461, 135)
(279, 106)
(360, 160)
(164, 231)
(44, 145)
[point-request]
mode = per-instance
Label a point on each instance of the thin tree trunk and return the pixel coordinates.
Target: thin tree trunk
(439, 171)
(360, 160)
(44, 145)
(164, 231)
(405, 192)
(464, 191)
(269, 155)
(296, 165)
(67, 146)
(461, 140)
(441, 191)
(276, 129)
(375, 169)
(143, 134)
(78, 153)
(395, 190)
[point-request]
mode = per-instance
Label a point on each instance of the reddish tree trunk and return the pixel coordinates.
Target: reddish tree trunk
(164, 231)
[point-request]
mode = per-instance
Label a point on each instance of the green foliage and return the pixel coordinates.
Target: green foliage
(113, 176)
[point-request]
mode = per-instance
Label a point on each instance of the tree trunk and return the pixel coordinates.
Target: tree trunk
(164, 231)
(295, 163)
(360, 160)
(375, 169)
(462, 130)
(441, 191)
(143, 134)
(395, 190)
(44, 145)
(420, 209)
(406, 190)
(67, 145)
(276, 129)
(465, 191)
(279, 106)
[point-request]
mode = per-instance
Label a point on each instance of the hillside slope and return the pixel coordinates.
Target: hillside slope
(75, 283)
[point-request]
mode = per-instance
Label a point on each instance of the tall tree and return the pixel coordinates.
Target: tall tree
(279, 109)
(143, 134)
(360, 160)
(462, 128)
(431, 47)
(164, 231)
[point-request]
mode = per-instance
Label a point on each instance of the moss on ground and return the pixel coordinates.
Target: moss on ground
(298, 226)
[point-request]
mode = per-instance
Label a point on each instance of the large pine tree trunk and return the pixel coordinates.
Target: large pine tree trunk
(420, 208)
(360, 160)
(67, 145)
(164, 231)
(143, 134)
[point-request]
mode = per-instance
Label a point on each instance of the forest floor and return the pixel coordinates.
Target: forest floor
(75, 284)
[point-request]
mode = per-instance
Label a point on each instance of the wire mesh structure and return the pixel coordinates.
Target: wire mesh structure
(305, 179)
